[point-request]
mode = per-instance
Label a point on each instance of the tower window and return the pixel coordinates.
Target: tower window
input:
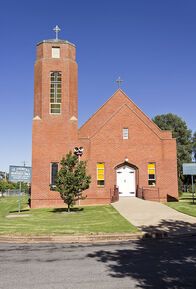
(151, 174)
(125, 133)
(55, 92)
(55, 52)
(100, 174)
(53, 173)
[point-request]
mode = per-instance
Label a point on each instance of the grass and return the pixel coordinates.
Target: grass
(86, 220)
(185, 204)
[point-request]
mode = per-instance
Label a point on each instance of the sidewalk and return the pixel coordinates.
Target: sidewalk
(155, 218)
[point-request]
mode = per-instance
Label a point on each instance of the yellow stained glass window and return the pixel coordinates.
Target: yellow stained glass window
(100, 174)
(151, 168)
(151, 174)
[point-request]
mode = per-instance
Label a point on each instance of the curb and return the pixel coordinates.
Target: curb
(94, 238)
(164, 235)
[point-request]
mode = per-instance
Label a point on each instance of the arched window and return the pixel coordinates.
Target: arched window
(55, 92)
(53, 173)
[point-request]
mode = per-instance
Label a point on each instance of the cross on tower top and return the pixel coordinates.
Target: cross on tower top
(56, 29)
(119, 81)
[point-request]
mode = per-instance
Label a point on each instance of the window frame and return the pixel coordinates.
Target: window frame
(125, 133)
(55, 92)
(53, 52)
(152, 180)
(100, 181)
(52, 176)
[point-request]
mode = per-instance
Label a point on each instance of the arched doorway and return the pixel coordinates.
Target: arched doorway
(126, 180)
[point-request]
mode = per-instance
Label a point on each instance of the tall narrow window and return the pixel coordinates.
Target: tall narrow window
(100, 174)
(55, 52)
(151, 174)
(125, 133)
(55, 92)
(53, 173)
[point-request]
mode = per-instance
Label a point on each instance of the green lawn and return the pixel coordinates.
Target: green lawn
(185, 197)
(185, 205)
(86, 220)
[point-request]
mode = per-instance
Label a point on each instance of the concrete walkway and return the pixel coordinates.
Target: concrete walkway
(155, 217)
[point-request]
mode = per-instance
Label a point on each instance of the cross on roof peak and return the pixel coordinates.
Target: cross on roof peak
(119, 81)
(56, 29)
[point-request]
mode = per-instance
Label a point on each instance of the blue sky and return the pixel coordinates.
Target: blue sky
(151, 44)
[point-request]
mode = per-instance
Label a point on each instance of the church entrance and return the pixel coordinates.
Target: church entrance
(126, 183)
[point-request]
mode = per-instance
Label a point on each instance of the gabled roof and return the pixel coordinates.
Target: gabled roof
(109, 108)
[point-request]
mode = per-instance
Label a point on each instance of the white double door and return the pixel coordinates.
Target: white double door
(126, 181)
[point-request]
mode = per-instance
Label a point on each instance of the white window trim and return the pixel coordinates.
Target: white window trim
(54, 113)
(98, 174)
(125, 133)
(56, 52)
(155, 174)
(52, 185)
(51, 103)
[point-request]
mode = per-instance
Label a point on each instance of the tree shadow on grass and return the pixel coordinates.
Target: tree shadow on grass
(16, 211)
(65, 210)
(155, 263)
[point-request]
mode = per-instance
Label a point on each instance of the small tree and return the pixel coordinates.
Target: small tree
(72, 179)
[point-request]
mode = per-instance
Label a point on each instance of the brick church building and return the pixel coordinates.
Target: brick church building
(126, 153)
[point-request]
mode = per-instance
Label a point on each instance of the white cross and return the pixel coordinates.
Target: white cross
(56, 30)
(119, 81)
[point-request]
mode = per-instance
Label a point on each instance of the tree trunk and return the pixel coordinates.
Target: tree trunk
(68, 208)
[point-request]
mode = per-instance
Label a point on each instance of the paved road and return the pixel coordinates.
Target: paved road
(154, 216)
(149, 264)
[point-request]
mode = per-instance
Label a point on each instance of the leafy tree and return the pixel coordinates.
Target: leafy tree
(72, 179)
(4, 186)
(24, 186)
(3, 175)
(183, 138)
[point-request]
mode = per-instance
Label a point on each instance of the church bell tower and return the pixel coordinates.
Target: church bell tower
(55, 121)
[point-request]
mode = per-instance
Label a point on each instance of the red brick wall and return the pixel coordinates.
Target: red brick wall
(101, 137)
(53, 135)
(146, 144)
(109, 108)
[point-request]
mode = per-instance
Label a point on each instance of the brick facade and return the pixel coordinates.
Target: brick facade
(101, 137)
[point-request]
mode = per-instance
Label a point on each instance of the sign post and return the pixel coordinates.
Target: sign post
(193, 191)
(19, 174)
(19, 199)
